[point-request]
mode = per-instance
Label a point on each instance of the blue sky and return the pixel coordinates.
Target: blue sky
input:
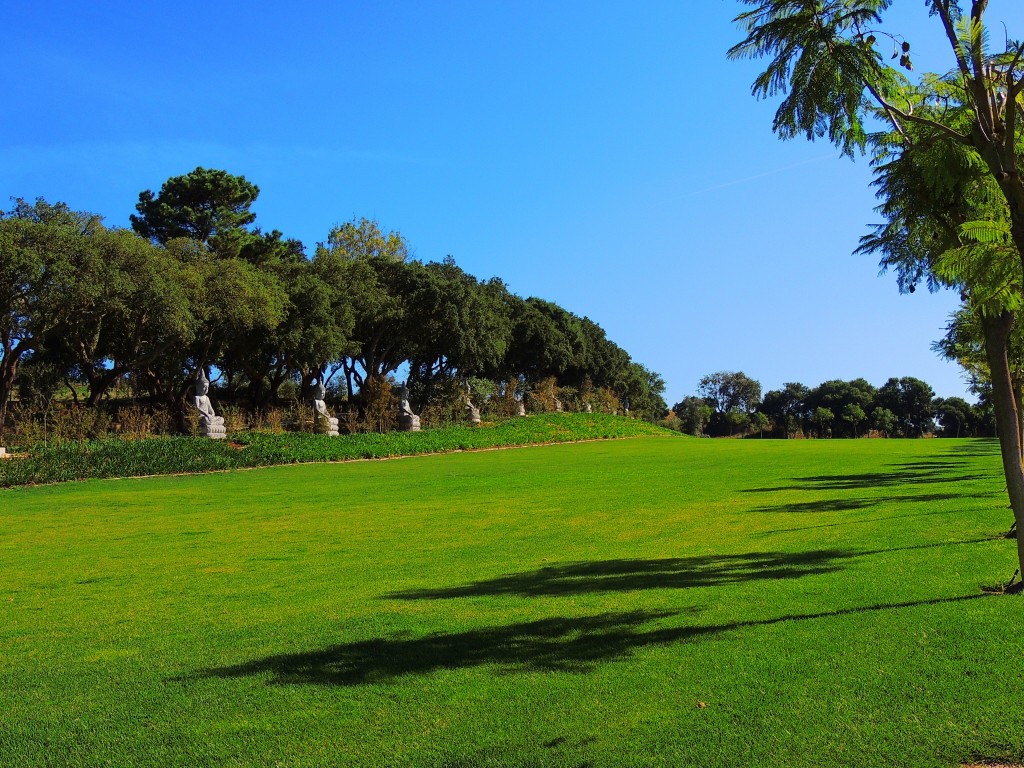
(604, 156)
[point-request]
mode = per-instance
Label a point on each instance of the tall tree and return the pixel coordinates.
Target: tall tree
(837, 395)
(547, 340)
(694, 414)
(956, 417)
(466, 324)
(729, 390)
(826, 58)
(380, 278)
(734, 395)
(205, 205)
(123, 310)
(38, 243)
(786, 407)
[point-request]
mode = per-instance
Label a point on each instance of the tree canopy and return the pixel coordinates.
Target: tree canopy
(197, 285)
(947, 164)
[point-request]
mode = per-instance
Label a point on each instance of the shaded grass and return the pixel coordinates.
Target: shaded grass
(566, 606)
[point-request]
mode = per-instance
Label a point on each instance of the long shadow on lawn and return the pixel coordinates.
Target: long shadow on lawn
(845, 505)
(633, 574)
(988, 446)
(666, 573)
(924, 472)
(861, 521)
(568, 644)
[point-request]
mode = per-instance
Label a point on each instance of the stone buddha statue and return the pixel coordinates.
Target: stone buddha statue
(210, 424)
(325, 424)
(407, 420)
(471, 410)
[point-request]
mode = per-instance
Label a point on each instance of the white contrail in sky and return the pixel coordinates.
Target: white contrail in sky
(762, 175)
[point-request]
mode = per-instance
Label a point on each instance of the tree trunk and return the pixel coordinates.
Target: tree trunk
(997, 334)
(8, 373)
(1018, 398)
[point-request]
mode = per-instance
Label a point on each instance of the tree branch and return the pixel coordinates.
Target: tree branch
(947, 24)
(910, 118)
(979, 85)
(1013, 88)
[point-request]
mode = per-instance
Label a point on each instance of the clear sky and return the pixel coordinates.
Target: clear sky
(606, 156)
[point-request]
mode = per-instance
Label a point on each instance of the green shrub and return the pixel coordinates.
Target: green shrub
(65, 461)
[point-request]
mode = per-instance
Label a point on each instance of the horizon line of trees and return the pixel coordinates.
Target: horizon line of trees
(730, 403)
(196, 285)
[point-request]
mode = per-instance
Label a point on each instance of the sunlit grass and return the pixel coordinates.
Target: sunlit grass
(656, 601)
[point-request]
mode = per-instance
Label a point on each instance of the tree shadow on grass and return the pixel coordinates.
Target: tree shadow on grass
(988, 446)
(931, 545)
(820, 505)
(846, 505)
(924, 472)
(634, 574)
(561, 644)
(861, 521)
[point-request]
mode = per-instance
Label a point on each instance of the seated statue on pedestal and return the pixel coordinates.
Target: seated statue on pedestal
(520, 408)
(407, 420)
(210, 424)
(324, 423)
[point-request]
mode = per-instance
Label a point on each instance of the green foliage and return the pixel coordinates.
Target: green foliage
(174, 455)
(823, 418)
(196, 287)
(206, 205)
(884, 420)
(820, 57)
(729, 391)
(786, 407)
(854, 414)
(362, 239)
(694, 414)
(910, 400)
(837, 396)
(734, 396)
(958, 418)
(760, 422)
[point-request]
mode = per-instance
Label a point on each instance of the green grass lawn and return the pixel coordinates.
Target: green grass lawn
(647, 602)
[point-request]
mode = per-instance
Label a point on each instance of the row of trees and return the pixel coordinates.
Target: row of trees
(731, 403)
(195, 284)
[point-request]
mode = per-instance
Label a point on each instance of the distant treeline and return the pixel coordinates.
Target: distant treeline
(195, 285)
(730, 403)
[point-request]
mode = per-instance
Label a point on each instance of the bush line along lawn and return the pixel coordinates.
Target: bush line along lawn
(649, 602)
(178, 455)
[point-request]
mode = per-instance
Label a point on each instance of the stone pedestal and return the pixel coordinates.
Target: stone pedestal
(213, 430)
(3, 452)
(520, 409)
(326, 425)
(408, 422)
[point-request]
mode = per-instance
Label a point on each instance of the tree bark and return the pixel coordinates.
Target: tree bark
(8, 374)
(997, 334)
